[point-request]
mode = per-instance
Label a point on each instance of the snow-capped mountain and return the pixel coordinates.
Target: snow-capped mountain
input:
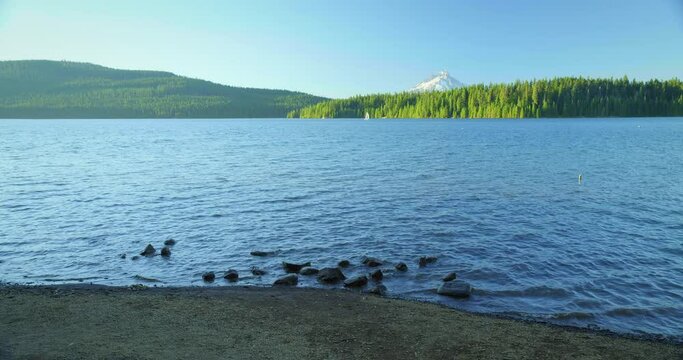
(440, 82)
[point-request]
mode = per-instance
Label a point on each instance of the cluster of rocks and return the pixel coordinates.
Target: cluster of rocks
(150, 251)
(450, 286)
(335, 275)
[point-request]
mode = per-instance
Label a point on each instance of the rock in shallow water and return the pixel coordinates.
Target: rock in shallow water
(401, 266)
(231, 275)
(262, 253)
(330, 275)
(294, 268)
(169, 242)
(377, 275)
(344, 264)
(308, 271)
(166, 251)
(357, 281)
(450, 276)
(456, 289)
(149, 250)
(424, 260)
(370, 261)
(257, 272)
(288, 280)
(208, 276)
(135, 258)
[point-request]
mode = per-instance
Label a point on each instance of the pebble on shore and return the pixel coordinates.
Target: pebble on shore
(377, 275)
(378, 289)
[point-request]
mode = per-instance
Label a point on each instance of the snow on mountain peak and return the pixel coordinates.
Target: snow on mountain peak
(439, 82)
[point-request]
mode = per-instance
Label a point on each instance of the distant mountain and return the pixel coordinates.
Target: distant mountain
(60, 89)
(439, 82)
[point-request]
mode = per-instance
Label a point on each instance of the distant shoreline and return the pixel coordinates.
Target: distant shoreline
(81, 321)
(350, 118)
(63, 89)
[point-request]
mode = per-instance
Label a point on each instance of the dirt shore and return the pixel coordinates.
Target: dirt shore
(96, 322)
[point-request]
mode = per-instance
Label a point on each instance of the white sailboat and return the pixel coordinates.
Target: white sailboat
(367, 115)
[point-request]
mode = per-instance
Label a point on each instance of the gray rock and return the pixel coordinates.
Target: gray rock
(370, 261)
(378, 289)
(289, 280)
(377, 275)
(344, 264)
(257, 272)
(294, 268)
(135, 258)
(450, 276)
(166, 251)
(456, 289)
(149, 250)
(309, 271)
(356, 281)
(424, 260)
(401, 266)
(169, 242)
(208, 276)
(330, 275)
(231, 275)
(122, 256)
(262, 253)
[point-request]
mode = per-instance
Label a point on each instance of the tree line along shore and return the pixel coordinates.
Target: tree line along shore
(567, 97)
(63, 89)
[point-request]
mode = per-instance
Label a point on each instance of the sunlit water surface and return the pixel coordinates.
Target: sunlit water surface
(498, 202)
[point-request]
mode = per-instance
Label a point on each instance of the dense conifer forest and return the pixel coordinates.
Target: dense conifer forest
(560, 97)
(60, 89)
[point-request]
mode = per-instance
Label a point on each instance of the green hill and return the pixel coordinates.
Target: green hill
(560, 97)
(59, 89)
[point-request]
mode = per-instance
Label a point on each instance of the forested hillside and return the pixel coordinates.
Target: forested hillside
(561, 97)
(59, 89)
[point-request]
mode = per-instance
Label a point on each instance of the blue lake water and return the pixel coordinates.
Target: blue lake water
(497, 201)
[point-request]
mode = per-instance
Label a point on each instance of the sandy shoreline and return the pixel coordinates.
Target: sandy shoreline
(88, 321)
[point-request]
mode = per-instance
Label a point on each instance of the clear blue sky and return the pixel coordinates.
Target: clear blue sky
(341, 48)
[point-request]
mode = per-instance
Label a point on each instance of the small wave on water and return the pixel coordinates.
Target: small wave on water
(535, 291)
(575, 315)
